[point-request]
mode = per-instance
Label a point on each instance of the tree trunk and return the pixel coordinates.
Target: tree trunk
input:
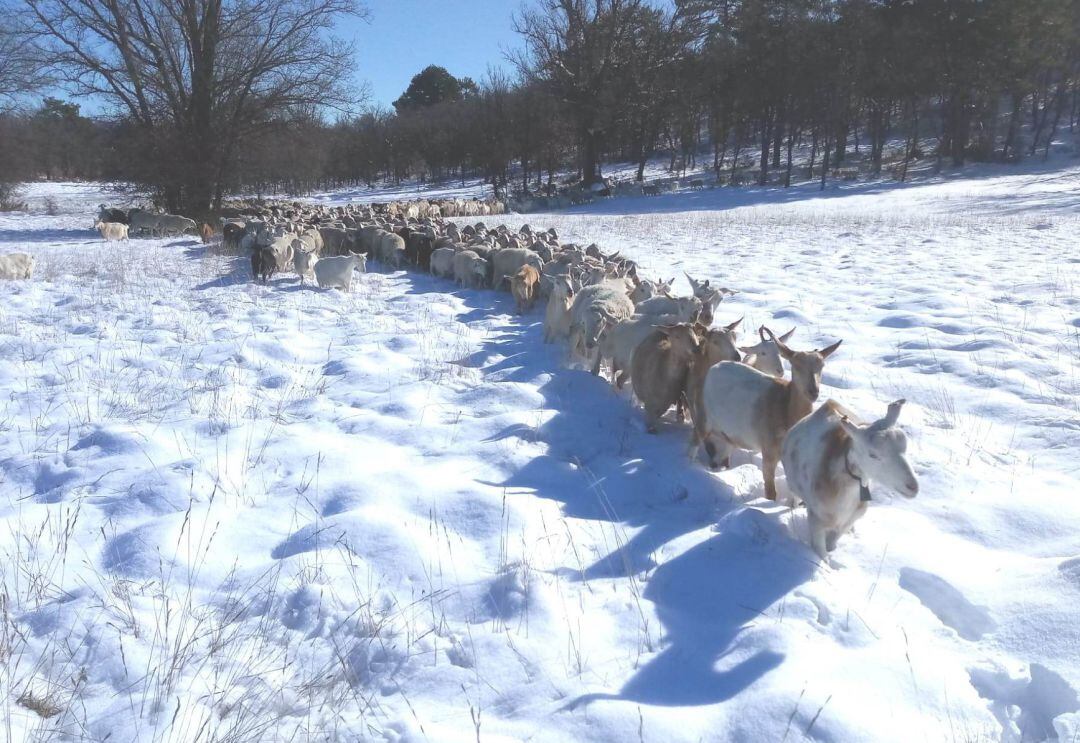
(735, 154)
(778, 137)
(1059, 108)
(766, 140)
(913, 140)
(1039, 113)
(1014, 125)
(590, 156)
(1072, 113)
(877, 137)
(790, 148)
(825, 163)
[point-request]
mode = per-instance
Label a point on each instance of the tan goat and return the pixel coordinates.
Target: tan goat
(747, 409)
(659, 370)
(525, 285)
(717, 344)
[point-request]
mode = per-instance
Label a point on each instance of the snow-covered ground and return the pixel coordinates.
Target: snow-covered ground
(240, 512)
(468, 188)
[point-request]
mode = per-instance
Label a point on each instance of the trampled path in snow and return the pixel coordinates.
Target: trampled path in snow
(245, 512)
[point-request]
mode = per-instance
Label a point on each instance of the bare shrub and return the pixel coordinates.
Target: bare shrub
(10, 198)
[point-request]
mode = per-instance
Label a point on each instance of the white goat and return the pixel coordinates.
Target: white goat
(15, 266)
(594, 307)
(442, 262)
(557, 314)
(470, 270)
(686, 308)
(391, 249)
(337, 271)
(765, 356)
(112, 231)
(710, 296)
(704, 288)
(831, 461)
(304, 261)
(167, 224)
(647, 289)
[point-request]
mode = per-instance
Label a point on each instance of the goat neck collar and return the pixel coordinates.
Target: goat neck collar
(864, 483)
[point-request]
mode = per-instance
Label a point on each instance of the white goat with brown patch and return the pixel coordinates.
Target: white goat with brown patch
(746, 409)
(831, 461)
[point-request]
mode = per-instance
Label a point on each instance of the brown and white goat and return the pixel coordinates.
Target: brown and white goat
(831, 461)
(746, 409)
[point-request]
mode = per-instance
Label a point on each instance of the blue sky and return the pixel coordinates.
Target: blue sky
(405, 36)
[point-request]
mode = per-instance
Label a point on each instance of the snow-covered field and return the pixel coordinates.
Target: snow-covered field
(236, 512)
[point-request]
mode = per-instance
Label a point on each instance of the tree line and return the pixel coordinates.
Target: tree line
(209, 98)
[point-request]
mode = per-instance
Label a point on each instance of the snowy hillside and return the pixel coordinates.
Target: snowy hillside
(237, 512)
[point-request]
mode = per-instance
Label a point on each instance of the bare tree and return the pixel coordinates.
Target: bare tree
(20, 72)
(196, 77)
(581, 51)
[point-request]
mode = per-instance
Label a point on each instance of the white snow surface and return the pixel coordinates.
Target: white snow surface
(468, 188)
(242, 512)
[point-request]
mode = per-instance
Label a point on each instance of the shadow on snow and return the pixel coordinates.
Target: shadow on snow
(602, 466)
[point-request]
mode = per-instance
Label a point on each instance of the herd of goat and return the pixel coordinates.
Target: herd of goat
(664, 346)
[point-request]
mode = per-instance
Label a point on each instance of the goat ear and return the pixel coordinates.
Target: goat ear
(894, 412)
(828, 351)
(735, 324)
(787, 336)
(850, 428)
(786, 352)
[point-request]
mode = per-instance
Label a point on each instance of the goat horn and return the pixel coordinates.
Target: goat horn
(894, 412)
